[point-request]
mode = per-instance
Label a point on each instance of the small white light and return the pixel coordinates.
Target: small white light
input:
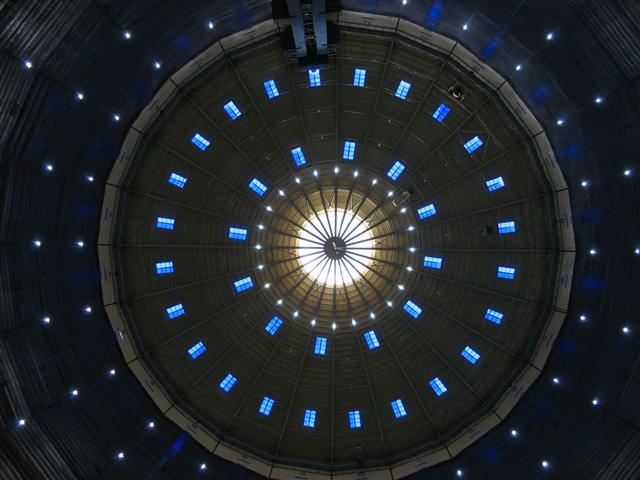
(560, 121)
(297, 180)
(544, 464)
(210, 25)
(203, 466)
(87, 309)
(465, 27)
(374, 181)
(404, 2)
(411, 228)
(116, 117)
(281, 193)
(584, 183)
(48, 167)
(518, 67)
(90, 178)
(599, 99)
(595, 402)
(401, 287)
(626, 330)
(459, 473)
(409, 268)
(37, 243)
(151, 425)
(74, 392)
(46, 320)
(353, 322)
(355, 173)
(258, 247)
(22, 422)
(267, 285)
(593, 251)
(313, 322)
(334, 326)
(336, 170)
(372, 315)
(279, 302)
(28, 64)
(80, 95)
(315, 173)
(112, 372)
(120, 456)
(583, 318)
(260, 267)
(80, 243)
(261, 227)
(390, 193)
(295, 314)
(127, 35)
(389, 303)
(627, 172)
(556, 380)
(550, 36)
(637, 251)
(412, 249)
(514, 433)
(269, 209)
(403, 210)
(156, 65)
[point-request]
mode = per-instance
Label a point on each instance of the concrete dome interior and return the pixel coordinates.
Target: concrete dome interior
(155, 290)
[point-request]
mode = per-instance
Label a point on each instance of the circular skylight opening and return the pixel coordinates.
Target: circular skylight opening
(335, 247)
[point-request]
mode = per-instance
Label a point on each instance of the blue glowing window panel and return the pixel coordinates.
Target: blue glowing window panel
(432, 262)
(349, 150)
(437, 386)
(494, 316)
(298, 156)
(427, 211)
(200, 142)
(237, 233)
(359, 76)
(403, 89)
(271, 89)
(243, 284)
(274, 324)
(257, 186)
(175, 311)
(314, 78)
(470, 355)
(165, 223)
(266, 406)
(412, 309)
(508, 273)
(354, 419)
(177, 180)
(441, 112)
(473, 144)
(309, 419)
(495, 184)
(197, 350)
(371, 339)
(506, 227)
(398, 408)
(395, 171)
(163, 268)
(321, 346)
(228, 382)
(232, 110)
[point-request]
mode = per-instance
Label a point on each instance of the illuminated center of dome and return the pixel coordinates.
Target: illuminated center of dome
(335, 247)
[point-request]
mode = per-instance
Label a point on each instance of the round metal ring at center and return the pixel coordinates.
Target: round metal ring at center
(335, 248)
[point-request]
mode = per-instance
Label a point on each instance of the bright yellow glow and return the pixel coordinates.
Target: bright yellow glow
(359, 247)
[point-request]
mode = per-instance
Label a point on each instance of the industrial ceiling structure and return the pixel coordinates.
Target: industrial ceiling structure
(371, 240)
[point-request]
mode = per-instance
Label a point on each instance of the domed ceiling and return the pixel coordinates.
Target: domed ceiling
(340, 269)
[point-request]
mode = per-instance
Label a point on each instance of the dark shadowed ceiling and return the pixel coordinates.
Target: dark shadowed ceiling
(80, 47)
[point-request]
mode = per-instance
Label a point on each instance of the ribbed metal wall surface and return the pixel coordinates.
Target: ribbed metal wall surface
(79, 45)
